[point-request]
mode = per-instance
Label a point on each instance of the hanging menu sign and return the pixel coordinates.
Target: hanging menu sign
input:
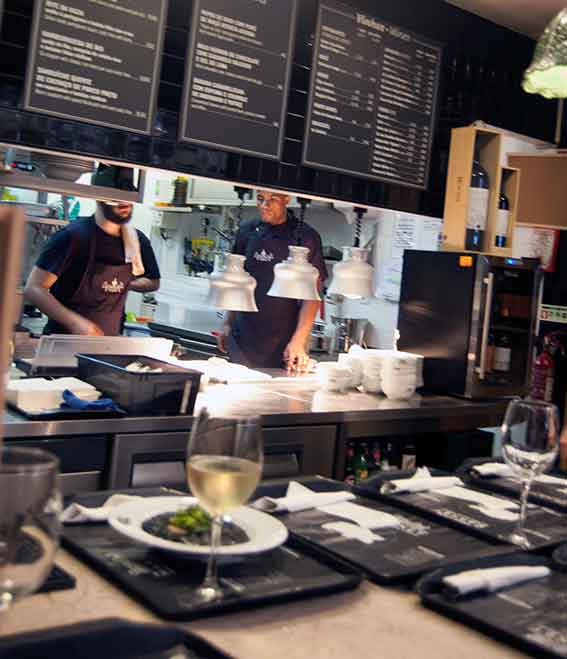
(373, 98)
(96, 61)
(238, 74)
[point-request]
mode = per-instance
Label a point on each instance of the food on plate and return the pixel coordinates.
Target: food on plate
(192, 526)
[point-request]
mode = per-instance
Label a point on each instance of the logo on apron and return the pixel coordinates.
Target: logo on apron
(115, 286)
(265, 257)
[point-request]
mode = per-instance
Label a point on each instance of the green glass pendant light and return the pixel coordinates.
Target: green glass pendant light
(547, 74)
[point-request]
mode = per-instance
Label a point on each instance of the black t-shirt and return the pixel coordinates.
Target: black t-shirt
(67, 253)
(261, 337)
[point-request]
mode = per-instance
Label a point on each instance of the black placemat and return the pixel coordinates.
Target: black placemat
(545, 494)
(545, 527)
(108, 638)
(58, 579)
(530, 616)
(396, 556)
(166, 582)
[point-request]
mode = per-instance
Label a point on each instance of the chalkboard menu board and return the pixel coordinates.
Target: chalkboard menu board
(373, 98)
(237, 75)
(96, 61)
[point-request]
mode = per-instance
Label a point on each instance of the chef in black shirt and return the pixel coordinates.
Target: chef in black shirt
(81, 278)
(276, 335)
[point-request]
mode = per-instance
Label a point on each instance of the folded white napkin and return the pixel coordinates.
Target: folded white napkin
(492, 579)
(421, 481)
(480, 499)
(298, 498)
(77, 514)
(550, 480)
(493, 469)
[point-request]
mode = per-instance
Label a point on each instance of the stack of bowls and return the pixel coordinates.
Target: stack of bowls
(355, 364)
(399, 376)
(333, 376)
(372, 365)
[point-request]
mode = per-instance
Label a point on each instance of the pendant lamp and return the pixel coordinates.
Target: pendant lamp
(296, 278)
(353, 277)
(547, 74)
(231, 287)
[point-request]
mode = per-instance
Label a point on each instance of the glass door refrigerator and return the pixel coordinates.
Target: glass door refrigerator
(473, 317)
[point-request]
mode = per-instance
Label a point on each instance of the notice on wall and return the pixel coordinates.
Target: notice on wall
(538, 243)
(96, 61)
(373, 98)
(237, 75)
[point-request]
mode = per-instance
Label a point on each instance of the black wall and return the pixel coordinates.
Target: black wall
(481, 74)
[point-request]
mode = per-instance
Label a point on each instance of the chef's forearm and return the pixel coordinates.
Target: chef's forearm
(50, 305)
(144, 285)
(229, 319)
(307, 315)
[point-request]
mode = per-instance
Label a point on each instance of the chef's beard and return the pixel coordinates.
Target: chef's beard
(110, 213)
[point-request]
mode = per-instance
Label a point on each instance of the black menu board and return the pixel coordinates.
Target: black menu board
(238, 74)
(96, 61)
(373, 98)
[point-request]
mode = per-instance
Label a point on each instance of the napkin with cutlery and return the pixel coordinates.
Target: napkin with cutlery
(299, 497)
(496, 469)
(492, 579)
(75, 513)
(421, 481)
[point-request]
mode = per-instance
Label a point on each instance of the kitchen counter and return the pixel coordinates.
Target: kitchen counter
(285, 402)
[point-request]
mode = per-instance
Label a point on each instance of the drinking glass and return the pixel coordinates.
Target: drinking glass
(530, 441)
(30, 506)
(224, 464)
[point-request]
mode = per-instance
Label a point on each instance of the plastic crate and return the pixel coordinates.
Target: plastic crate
(173, 391)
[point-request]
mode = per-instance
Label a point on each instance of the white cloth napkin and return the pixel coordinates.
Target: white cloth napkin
(421, 481)
(77, 514)
(298, 498)
(550, 480)
(493, 469)
(492, 579)
(480, 498)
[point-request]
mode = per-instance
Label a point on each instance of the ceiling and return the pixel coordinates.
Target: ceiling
(526, 16)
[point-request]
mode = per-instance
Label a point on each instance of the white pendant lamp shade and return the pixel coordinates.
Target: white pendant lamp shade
(295, 278)
(353, 277)
(233, 288)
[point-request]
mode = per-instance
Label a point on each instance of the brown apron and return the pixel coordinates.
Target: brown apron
(101, 295)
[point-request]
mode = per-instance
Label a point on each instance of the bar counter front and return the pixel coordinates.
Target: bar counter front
(305, 432)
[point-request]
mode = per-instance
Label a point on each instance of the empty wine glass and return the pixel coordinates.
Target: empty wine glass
(530, 441)
(224, 464)
(30, 505)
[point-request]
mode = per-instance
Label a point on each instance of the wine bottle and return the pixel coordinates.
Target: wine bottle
(502, 219)
(502, 354)
(478, 205)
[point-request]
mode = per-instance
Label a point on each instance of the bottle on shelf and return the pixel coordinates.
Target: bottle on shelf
(543, 374)
(361, 463)
(409, 459)
(376, 455)
(371, 463)
(479, 193)
(502, 220)
(349, 464)
(502, 353)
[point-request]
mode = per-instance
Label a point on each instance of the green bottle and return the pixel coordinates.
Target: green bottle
(361, 463)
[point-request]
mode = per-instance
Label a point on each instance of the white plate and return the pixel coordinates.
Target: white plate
(264, 532)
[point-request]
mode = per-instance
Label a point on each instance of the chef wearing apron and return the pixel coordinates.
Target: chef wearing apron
(82, 276)
(276, 335)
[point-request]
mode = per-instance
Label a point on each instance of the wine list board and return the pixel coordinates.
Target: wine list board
(373, 97)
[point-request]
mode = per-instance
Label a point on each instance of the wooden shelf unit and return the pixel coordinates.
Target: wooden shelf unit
(463, 143)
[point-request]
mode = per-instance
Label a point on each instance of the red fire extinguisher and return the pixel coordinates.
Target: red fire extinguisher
(543, 373)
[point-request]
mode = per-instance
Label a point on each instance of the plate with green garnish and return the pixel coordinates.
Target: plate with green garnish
(180, 525)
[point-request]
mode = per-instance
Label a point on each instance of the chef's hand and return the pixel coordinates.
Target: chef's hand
(295, 357)
(85, 327)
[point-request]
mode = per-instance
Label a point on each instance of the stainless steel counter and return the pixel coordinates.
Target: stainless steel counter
(289, 403)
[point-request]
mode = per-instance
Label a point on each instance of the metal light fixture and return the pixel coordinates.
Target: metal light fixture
(232, 288)
(353, 277)
(296, 278)
(547, 74)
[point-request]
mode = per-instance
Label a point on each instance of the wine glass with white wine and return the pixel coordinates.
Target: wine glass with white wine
(224, 465)
(530, 442)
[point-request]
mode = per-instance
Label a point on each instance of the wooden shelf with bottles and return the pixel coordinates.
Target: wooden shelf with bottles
(488, 144)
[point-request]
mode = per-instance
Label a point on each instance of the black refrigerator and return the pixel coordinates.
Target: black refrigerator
(473, 317)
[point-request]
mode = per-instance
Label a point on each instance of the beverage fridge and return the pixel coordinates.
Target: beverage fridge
(473, 317)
